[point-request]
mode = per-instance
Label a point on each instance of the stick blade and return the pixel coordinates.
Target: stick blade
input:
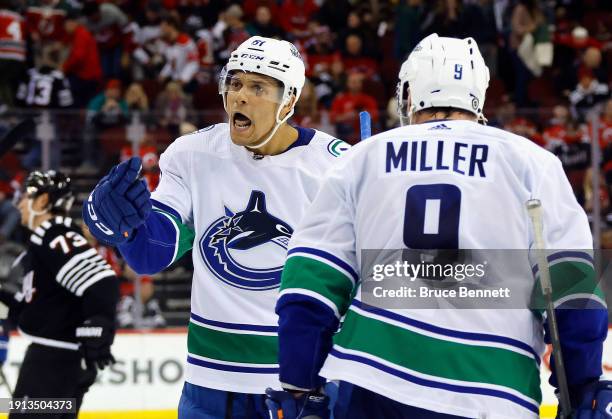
(365, 124)
(21, 130)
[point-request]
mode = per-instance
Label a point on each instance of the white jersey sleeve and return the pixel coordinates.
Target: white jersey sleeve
(173, 194)
(326, 237)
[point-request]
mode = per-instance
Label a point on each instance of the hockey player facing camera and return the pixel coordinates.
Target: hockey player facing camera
(67, 301)
(233, 193)
(433, 363)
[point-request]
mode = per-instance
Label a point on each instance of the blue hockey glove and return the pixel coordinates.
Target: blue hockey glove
(308, 405)
(118, 204)
(596, 402)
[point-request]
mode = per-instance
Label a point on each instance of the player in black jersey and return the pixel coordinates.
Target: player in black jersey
(66, 305)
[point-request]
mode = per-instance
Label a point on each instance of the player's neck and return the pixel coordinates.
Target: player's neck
(39, 219)
(282, 139)
(422, 117)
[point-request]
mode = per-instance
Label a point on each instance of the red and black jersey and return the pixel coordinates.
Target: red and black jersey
(46, 22)
(12, 40)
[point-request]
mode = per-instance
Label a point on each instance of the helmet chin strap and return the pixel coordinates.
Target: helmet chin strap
(279, 122)
(32, 213)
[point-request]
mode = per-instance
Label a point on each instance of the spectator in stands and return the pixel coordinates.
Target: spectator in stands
(479, 21)
(105, 111)
(45, 23)
(180, 53)
(588, 93)
(107, 22)
(592, 61)
(530, 46)
(82, 67)
(250, 8)
(320, 51)
(605, 125)
(589, 196)
(263, 25)
(605, 140)
(45, 86)
(556, 131)
(172, 108)
(408, 17)
(347, 105)
(445, 19)
(12, 52)
(354, 58)
(333, 13)
(230, 31)
(507, 118)
(328, 80)
(355, 26)
(108, 109)
(135, 98)
(295, 15)
(307, 109)
(146, 50)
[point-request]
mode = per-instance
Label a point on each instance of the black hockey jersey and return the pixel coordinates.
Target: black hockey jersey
(44, 88)
(65, 282)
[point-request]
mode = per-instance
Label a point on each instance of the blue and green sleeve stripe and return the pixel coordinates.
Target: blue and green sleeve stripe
(160, 241)
(316, 290)
(581, 312)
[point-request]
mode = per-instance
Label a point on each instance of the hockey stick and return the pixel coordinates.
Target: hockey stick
(534, 208)
(365, 124)
(16, 133)
(7, 385)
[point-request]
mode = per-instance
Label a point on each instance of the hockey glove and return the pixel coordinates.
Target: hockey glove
(96, 336)
(596, 401)
(118, 204)
(285, 405)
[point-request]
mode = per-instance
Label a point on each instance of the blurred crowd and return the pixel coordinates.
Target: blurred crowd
(106, 62)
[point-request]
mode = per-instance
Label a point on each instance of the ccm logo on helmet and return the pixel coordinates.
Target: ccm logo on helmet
(252, 56)
(258, 43)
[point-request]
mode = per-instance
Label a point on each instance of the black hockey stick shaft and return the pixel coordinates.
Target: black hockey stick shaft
(21, 130)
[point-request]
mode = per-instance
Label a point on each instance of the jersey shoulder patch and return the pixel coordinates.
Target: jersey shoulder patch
(337, 147)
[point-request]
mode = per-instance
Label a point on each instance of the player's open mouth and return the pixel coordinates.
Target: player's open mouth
(241, 122)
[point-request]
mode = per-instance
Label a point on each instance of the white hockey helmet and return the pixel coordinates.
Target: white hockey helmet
(442, 72)
(277, 59)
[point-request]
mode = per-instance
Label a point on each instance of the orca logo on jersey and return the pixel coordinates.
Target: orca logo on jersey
(232, 246)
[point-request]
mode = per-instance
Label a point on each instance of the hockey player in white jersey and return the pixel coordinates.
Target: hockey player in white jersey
(443, 182)
(233, 193)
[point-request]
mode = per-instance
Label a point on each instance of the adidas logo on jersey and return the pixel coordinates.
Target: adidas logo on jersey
(440, 126)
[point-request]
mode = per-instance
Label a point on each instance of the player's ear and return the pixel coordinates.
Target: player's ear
(287, 108)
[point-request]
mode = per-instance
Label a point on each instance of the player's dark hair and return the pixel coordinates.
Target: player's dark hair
(446, 111)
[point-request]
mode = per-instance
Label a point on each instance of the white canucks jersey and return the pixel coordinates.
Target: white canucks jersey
(441, 184)
(243, 209)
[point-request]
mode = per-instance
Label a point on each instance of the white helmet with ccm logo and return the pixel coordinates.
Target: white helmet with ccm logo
(443, 72)
(270, 57)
